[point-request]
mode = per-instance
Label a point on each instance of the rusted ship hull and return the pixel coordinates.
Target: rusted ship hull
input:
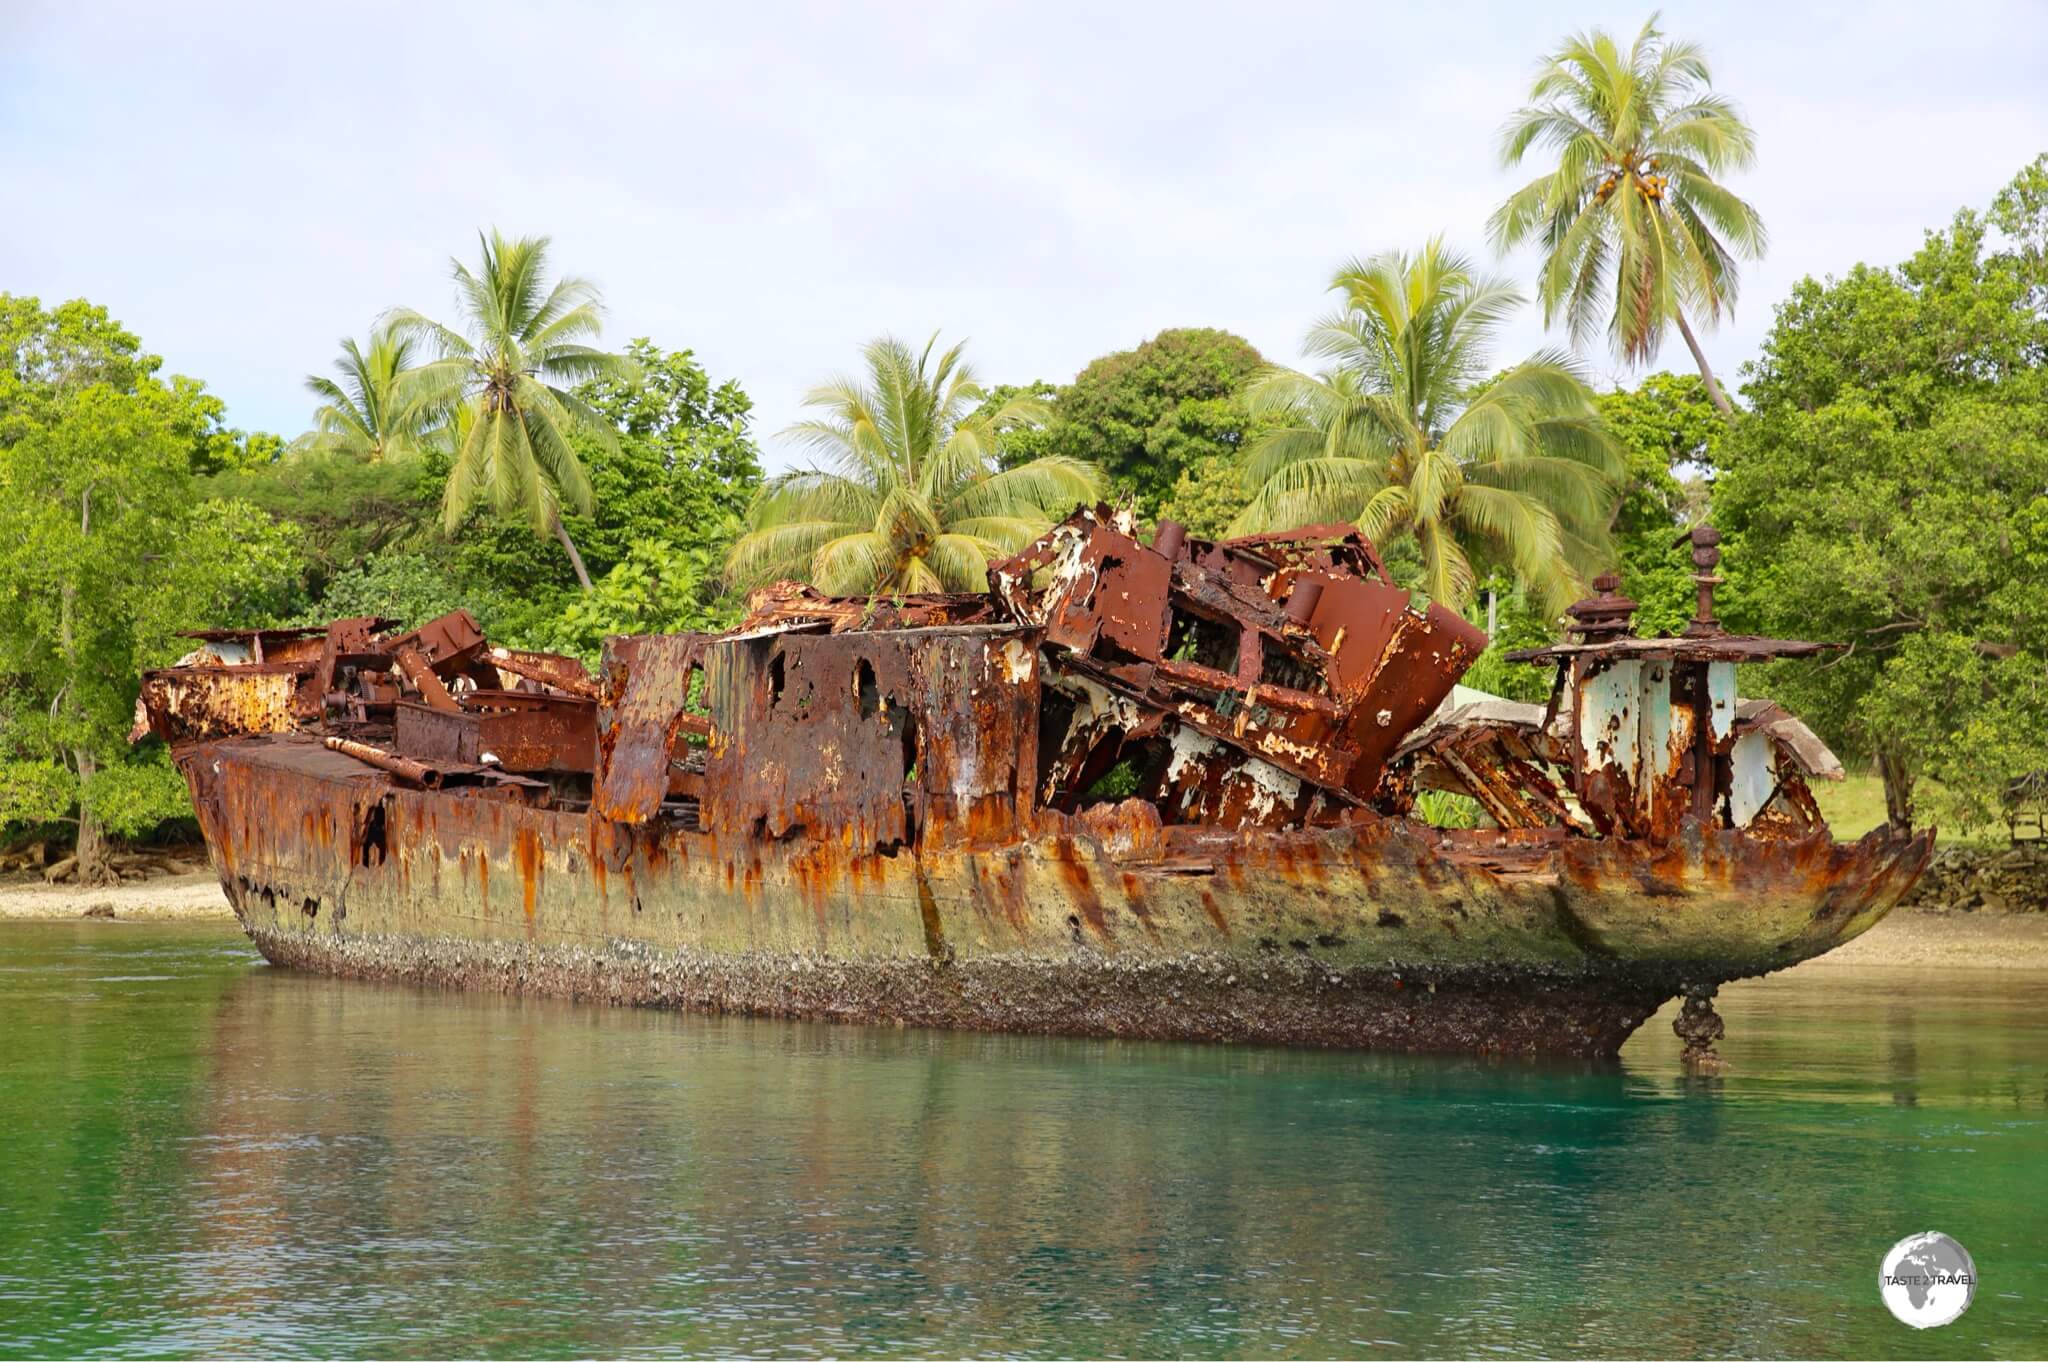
(1384, 934)
(1158, 790)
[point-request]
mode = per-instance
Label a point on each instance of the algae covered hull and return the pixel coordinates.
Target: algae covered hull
(903, 811)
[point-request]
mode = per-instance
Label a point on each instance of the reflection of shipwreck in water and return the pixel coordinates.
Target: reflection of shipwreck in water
(1156, 790)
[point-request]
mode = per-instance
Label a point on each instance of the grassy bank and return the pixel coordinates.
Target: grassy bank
(1856, 805)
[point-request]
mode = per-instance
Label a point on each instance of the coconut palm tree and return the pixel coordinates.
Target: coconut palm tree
(375, 409)
(1634, 204)
(1405, 436)
(509, 381)
(912, 499)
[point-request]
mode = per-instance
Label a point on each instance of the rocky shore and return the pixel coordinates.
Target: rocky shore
(1984, 879)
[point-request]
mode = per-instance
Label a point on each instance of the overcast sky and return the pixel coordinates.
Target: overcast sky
(770, 185)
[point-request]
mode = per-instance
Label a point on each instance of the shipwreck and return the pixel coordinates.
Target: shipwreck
(1158, 789)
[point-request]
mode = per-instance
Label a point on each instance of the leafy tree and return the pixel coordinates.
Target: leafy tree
(659, 588)
(914, 500)
(1031, 436)
(1634, 205)
(1670, 436)
(2020, 212)
(1889, 490)
(410, 587)
(48, 355)
(701, 434)
(1401, 438)
(350, 509)
(507, 384)
(1147, 415)
(680, 473)
(377, 408)
(1208, 495)
(107, 548)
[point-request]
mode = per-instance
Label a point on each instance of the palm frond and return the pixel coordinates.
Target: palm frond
(858, 565)
(780, 552)
(1047, 488)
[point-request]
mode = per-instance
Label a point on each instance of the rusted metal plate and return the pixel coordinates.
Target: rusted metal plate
(1728, 648)
(781, 603)
(646, 689)
(449, 642)
(192, 704)
(1608, 726)
(1354, 621)
(504, 729)
(1418, 666)
(870, 740)
(432, 735)
(1102, 587)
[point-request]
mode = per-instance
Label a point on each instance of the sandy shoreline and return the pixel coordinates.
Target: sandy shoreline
(195, 896)
(1946, 940)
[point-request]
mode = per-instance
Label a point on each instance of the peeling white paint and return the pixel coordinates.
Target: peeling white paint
(1754, 777)
(1019, 663)
(1721, 699)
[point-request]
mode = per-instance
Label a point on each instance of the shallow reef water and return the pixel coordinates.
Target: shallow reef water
(204, 1155)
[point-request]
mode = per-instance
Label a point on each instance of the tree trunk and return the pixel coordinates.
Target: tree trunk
(575, 558)
(94, 866)
(1898, 790)
(1699, 357)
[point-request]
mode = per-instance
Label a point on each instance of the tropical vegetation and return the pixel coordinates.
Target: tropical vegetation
(1635, 225)
(109, 544)
(375, 408)
(1888, 489)
(1406, 436)
(506, 382)
(913, 498)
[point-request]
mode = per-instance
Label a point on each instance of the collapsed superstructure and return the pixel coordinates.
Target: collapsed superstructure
(1157, 789)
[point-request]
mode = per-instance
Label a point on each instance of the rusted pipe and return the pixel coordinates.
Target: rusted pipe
(1301, 602)
(1169, 538)
(550, 672)
(405, 768)
(418, 671)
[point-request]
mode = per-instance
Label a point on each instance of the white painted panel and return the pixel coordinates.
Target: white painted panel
(1721, 699)
(1755, 777)
(1609, 706)
(1654, 710)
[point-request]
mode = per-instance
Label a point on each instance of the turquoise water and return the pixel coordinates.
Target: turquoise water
(203, 1155)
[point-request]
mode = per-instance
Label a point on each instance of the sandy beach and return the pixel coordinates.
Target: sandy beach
(1947, 940)
(166, 897)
